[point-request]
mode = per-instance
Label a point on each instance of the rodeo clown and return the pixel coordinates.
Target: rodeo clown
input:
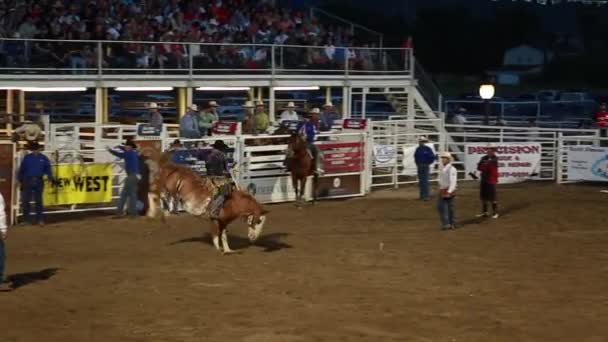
(488, 167)
(217, 166)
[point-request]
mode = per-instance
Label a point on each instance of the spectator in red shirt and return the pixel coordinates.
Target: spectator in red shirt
(601, 120)
(488, 166)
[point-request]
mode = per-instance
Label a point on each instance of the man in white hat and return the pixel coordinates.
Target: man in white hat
(424, 157)
(188, 125)
(154, 117)
(248, 121)
(308, 129)
(261, 119)
(328, 117)
(29, 130)
(207, 118)
(289, 114)
(448, 178)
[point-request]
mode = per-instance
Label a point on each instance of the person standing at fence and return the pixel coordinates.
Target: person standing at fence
(424, 157)
(217, 166)
(261, 119)
(289, 114)
(128, 194)
(328, 117)
(207, 118)
(188, 125)
(488, 166)
(248, 125)
(448, 178)
(34, 167)
(155, 118)
(3, 234)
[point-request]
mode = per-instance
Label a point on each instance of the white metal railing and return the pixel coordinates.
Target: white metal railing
(526, 109)
(99, 59)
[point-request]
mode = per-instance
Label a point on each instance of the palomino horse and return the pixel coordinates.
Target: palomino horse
(196, 193)
(301, 165)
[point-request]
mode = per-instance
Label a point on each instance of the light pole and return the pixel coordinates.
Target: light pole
(486, 92)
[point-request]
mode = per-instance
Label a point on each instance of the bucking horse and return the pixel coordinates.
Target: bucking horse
(196, 193)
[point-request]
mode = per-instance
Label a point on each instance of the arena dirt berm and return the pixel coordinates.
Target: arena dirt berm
(539, 273)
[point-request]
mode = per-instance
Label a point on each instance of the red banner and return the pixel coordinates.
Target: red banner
(354, 123)
(224, 127)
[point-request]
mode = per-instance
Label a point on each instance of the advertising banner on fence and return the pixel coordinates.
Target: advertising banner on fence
(516, 162)
(385, 155)
(588, 163)
(77, 183)
(409, 163)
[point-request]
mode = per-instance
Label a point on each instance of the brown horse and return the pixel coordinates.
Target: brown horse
(196, 193)
(301, 165)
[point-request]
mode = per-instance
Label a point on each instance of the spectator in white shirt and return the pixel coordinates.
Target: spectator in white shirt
(289, 114)
(448, 178)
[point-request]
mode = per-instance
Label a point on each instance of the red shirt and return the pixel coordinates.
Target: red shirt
(601, 118)
(489, 169)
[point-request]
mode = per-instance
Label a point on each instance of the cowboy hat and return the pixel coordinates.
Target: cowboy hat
(193, 107)
(491, 146)
(153, 105)
(31, 131)
(422, 138)
(248, 104)
(213, 104)
(220, 145)
(290, 105)
(315, 111)
(259, 104)
(328, 104)
(445, 155)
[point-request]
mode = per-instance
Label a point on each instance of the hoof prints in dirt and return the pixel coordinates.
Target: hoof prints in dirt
(270, 242)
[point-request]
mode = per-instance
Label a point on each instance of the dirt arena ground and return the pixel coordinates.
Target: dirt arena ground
(539, 273)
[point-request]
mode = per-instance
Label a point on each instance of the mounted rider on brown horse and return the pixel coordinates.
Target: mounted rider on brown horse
(303, 158)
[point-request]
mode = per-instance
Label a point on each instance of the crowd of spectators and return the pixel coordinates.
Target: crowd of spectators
(167, 22)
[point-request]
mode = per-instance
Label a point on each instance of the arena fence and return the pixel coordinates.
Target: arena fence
(581, 158)
(372, 155)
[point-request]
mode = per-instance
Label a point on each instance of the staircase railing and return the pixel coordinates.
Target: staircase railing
(427, 87)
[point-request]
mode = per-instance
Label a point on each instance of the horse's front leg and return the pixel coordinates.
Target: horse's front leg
(215, 235)
(224, 233)
(294, 181)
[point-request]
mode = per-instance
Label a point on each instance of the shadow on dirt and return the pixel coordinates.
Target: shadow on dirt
(270, 242)
(23, 279)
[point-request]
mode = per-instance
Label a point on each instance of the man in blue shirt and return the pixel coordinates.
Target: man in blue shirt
(34, 166)
(308, 129)
(188, 125)
(424, 157)
(128, 194)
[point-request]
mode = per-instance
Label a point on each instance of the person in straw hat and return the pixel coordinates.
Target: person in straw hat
(207, 118)
(448, 178)
(289, 114)
(29, 130)
(488, 166)
(424, 158)
(188, 125)
(155, 118)
(248, 122)
(328, 117)
(261, 119)
(33, 168)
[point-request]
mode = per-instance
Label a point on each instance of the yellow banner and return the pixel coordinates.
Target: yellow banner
(78, 184)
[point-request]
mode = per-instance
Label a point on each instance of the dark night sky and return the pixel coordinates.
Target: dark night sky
(556, 18)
